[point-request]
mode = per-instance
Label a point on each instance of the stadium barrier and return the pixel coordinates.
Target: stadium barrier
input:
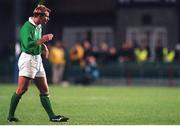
(128, 71)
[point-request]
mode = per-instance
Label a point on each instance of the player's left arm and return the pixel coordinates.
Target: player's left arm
(45, 51)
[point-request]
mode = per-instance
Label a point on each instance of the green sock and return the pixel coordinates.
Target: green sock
(14, 102)
(47, 105)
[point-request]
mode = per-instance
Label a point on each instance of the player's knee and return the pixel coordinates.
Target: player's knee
(20, 91)
(44, 91)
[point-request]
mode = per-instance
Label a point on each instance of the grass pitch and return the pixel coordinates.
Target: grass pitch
(97, 105)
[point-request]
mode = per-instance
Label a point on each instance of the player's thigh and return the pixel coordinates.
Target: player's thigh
(42, 85)
(28, 65)
(23, 83)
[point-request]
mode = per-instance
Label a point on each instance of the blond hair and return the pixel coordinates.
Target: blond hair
(41, 9)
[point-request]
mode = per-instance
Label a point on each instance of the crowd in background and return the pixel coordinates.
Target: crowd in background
(88, 57)
(128, 51)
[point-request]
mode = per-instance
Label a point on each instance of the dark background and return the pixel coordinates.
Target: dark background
(116, 14)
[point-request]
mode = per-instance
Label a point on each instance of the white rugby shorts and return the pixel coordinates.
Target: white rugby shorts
(31, 66)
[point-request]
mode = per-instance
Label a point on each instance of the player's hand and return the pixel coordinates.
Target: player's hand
(47, 37)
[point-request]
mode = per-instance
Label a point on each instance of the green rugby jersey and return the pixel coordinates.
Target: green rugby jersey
(29, 35)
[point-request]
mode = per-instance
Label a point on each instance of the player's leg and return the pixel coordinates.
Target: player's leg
(23, 83)
(41, 83)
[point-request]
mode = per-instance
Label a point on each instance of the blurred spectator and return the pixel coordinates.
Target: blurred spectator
(95, 50)
(87, 49)
(77, 54)
(126, 52)
(141, 52)
(103, 52)
(112, 55)
(159, 52)
(146, 45)
(177, 53)
(90, 72)
(57, 58)
(168, 55)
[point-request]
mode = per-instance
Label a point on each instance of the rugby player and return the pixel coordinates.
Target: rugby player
(30, 63)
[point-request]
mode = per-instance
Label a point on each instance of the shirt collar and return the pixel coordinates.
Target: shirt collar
(32, 22)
